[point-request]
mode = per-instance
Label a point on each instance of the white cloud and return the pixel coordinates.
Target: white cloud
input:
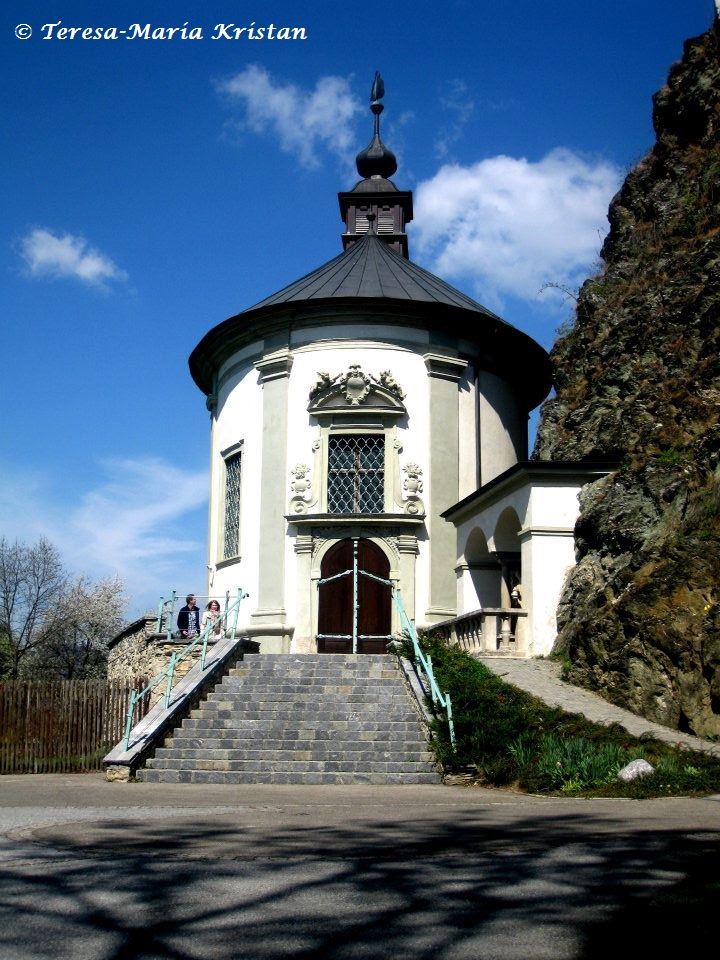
(511, 225)
(145, 520)
(48, 254)
(457, 109)
(130, 516)
(305, 122)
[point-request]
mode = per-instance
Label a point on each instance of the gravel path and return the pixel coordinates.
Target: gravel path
(542, 679)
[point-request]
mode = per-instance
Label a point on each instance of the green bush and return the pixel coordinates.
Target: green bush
(672, 457)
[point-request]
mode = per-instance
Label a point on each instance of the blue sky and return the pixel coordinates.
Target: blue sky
(152, 188)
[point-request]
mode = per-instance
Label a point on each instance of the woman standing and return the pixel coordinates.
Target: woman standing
(212, 615)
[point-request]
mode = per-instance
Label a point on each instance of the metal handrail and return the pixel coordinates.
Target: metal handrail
(425, 662)
(175, 658)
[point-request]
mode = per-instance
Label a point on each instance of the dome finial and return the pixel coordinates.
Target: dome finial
(378, 88)
(376, 160)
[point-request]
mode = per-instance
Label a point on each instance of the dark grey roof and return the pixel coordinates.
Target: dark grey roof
(371, 269)
(375, 185)
(370, 277)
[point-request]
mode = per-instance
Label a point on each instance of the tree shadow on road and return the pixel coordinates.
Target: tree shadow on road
(568, 885)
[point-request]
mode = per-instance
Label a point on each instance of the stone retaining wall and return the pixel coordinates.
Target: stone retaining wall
(139, 651)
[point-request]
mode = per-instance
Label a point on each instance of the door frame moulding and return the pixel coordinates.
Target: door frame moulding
(396, 537)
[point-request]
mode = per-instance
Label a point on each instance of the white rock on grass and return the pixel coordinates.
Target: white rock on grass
(635, 769)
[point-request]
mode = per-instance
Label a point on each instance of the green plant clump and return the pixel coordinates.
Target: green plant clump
(506, 737)
(672, 457)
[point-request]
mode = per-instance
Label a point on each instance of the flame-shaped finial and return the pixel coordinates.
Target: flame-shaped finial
(378, 88)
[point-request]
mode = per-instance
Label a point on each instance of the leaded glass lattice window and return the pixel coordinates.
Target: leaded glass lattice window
(356, 474)
(231, 544)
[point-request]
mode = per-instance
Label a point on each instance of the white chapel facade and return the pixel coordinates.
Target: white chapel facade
(349, 411)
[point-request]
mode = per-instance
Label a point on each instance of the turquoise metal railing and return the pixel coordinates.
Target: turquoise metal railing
(424, 662)
(231, 612)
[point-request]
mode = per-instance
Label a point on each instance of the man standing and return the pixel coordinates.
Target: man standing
(188, 620)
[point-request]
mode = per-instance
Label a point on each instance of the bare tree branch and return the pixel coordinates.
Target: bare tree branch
(49, 623)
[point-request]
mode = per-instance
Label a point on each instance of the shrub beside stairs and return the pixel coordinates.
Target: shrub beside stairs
(310, 718)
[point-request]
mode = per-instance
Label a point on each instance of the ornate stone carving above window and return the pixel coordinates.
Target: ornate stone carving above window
(346, 392)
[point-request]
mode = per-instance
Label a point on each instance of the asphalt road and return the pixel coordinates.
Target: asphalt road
(95, 870)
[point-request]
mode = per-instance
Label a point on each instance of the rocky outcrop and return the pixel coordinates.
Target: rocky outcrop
(638, 384)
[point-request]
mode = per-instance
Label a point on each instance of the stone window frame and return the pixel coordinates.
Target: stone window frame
(231, 453)
(376, 411)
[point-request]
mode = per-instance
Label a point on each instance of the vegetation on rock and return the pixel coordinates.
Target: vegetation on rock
(638, 384)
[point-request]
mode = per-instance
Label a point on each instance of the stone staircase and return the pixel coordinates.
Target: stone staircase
(309, 718)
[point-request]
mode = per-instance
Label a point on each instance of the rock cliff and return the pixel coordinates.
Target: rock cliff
(638, 384)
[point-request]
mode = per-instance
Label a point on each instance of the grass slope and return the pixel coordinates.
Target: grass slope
(508, 738)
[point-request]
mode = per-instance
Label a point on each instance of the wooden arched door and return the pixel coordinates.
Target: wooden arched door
(354, 602)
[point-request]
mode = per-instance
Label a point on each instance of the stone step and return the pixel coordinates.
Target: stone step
(325, 715)
(319, 752)
(301, 666)
(306, 683)
(296, 777)
(301, 719)
(344, 692)
(242, 740)
(287, 683)
(288, 766)
(363, 729)
(231, 700)
(238, 687)
(373, 707)
(311, 679)
(324, 676)
(363, 661)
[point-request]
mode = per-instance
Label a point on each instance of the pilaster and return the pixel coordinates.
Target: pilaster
(444, 374)
(304, 641)
(268, 620)
(407, 547)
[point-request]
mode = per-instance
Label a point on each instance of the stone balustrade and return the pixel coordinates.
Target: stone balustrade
(494, 631)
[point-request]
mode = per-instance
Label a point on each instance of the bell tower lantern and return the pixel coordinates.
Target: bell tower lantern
(375, 205)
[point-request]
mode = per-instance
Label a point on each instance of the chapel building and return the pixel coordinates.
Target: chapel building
(369, 433)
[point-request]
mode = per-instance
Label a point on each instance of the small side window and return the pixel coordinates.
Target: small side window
(231, 538)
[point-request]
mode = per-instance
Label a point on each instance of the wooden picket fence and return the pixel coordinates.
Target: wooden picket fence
(62, 726)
